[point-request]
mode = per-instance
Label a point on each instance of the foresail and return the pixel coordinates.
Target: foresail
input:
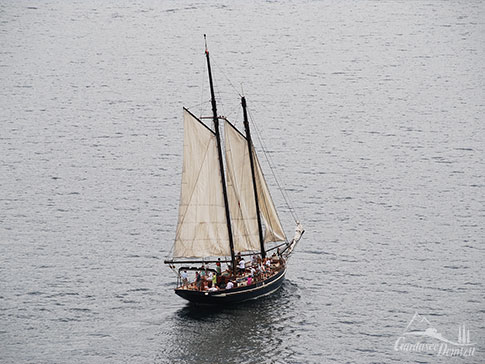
(201, 228)
(240, 191)
(274, 231)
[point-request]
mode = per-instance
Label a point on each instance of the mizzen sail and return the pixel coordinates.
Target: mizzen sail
(274, 231)
(241, 195)
(240, 191)
(201, 229)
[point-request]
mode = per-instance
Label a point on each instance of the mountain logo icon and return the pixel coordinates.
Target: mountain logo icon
(420, 326)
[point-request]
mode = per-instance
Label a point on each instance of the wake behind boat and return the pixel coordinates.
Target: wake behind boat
(226, 217)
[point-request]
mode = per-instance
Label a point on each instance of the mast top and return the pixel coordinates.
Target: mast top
(205, 41)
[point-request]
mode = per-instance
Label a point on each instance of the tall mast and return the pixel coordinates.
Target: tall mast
(251, 162)
(221, 164)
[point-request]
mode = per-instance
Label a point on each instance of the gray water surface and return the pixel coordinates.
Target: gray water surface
(372, 112)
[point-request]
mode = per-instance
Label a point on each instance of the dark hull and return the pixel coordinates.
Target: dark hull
(235, 295)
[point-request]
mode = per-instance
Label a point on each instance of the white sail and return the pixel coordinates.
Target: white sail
(201, 229)
(240, 191)
(274, 231)
(241, 195)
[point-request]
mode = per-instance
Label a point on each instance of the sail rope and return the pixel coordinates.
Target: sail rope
(227, 78)
(266, 154)
(233, 111)
(271, 164)
(201, 105)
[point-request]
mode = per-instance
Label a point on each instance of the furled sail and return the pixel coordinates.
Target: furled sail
(240, 191)
(241, 195)
(201, 228)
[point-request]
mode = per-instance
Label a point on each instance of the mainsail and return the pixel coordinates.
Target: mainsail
(241, 198)
(201, 229)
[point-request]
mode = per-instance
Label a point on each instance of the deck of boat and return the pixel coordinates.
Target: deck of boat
(236, 294)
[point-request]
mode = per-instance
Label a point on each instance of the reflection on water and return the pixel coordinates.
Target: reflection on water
(248, 331)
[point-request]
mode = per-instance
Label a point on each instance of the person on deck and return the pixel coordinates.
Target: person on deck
(274, 258)
(214, 280)
(254, 260)
(218, 266)
(198, 281)
(267, 267)
(260, 271)
(253, 272)
(229, 285)
(238, 258)
(242, 266)
(184, 277)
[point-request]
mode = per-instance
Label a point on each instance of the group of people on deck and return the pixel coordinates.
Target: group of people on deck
(246, 273)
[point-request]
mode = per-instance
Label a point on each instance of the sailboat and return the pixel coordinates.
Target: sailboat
(226, 215)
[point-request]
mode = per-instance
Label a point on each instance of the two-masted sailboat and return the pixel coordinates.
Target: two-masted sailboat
(226, 216)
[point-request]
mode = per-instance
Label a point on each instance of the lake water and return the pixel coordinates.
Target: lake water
(372, 112)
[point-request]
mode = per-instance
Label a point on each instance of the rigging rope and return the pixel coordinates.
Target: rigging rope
(271, 164)
(201, 104)
(266, 154)
(202, 88)
(273, 170)
(227, 78)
